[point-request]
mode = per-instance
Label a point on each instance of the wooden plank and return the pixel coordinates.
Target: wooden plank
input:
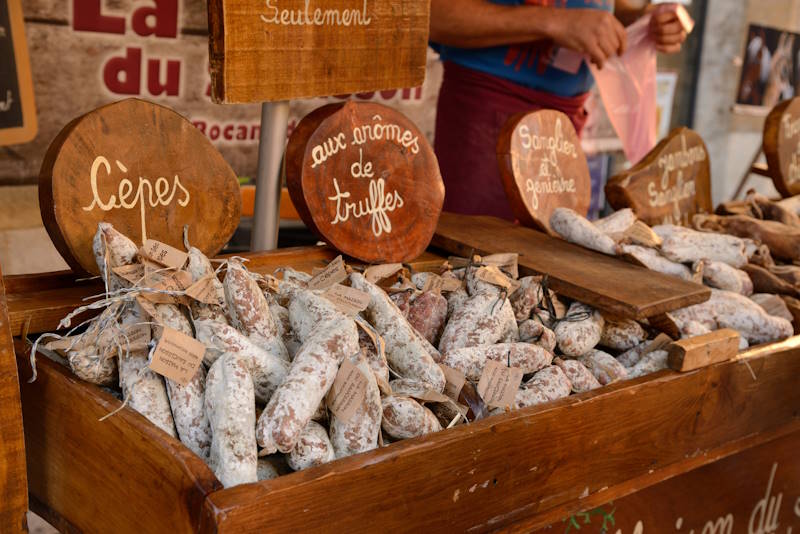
(761, 484)
(534, 464)
(13, 480)
(318, 49)
(700, 351)
(119, 475)
(601, 281)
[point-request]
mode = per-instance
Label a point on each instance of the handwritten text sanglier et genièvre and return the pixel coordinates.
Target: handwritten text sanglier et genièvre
(379, 202)
(315, 16)
(550, 179)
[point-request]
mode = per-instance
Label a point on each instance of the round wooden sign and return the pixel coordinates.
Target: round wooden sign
(365, 179)
(144, 169)
(543, 167)
(669, 185)
(782, 146)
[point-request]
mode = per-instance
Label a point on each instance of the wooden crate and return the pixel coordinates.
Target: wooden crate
(525, 469)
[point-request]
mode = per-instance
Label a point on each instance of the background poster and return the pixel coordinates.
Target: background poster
(770, 67)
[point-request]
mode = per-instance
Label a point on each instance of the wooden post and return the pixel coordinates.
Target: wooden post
(274, 120)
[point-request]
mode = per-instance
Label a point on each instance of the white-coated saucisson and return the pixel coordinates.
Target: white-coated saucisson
(605, 368)
(654, 261)
(580, 331)
(200, 267)
(579, 376)
(526, 297)
(577, 229)
(231, 407)
(481, 320)
(405, 418)
(547, 385)
(427, 314)
(112, 249)
(471, 360)
(684, 245)
(649, 363)
(723, 276)
(360, 433)
(312, 449)
(533, 331)
(622, 335)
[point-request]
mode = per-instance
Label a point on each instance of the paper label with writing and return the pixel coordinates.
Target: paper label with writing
(333, 273)
(348, 391)
(348, 300)
(135, 337)
(177, 356)
(499, 384)
(506, 262)
(175, 281)
(132, 273)
(375, 273)
(164, 254)
(208, 290)
(149, 309)
(455, 381)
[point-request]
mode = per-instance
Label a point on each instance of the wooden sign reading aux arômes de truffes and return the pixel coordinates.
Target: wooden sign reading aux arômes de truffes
(543, 167)
(266, 50)
(144, 169)
(365, 179)
(669, 185)
(782, 146)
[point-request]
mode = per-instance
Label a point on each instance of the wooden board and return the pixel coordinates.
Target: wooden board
(543, 167)
(365, 179)
(781, 145)
(143, 168)
(758, 487)
(13, 479)
(604, 282)
(17, 107)
(669, 185)
(700, 351)
(285, 49)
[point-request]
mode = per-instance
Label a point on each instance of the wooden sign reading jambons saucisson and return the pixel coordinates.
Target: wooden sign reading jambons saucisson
(543, 167)
(669, 185)
(782, 146)
(144, 169)
(365, 179)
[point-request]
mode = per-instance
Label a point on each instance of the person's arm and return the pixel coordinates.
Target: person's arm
(665, 27)
(480, 23)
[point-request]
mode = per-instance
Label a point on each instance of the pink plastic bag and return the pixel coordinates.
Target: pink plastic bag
(627, 85)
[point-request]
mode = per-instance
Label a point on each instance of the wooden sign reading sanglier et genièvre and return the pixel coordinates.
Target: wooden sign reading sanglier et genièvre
(365, 179)
(144, 169)
(543, 167)
(669, 185)
(282, 49)
(782, 146)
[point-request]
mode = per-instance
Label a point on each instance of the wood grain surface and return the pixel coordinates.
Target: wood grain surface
(365, 179)
(781, 146)
(604, 282)
(13, 479)
(295, 49)
(543, 167)
(143, 168)
(669, 185)
(700, 351)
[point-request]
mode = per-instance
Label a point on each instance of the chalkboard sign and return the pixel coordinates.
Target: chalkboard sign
(17, 109)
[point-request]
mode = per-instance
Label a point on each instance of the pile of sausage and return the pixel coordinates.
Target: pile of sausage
(736, 255)
(258, 406)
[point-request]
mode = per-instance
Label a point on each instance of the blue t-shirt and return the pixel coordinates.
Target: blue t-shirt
(529, 64)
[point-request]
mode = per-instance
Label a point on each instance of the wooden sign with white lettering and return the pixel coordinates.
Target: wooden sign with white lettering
(17, 108)
(782, 146)
(543, 167)
(143, 168)
(365, 179)
(669, 185)
(282, 49)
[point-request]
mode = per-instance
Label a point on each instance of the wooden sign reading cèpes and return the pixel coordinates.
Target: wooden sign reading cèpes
(144, 169)
(365, 179)
(782, 146)
(281, 49)
(669, 185)
(543, 167)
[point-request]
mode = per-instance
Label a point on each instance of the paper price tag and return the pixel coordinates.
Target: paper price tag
(455, 381)
(499, 384)
(507, 262)
(135, 338)
(164, 254)
(175, 281)
(132, 273)
(148, 308)
(177, 356)
(334, 273)
(492, 275)
(208, 290)
(379, 272)
(348, 300)
(348, 391)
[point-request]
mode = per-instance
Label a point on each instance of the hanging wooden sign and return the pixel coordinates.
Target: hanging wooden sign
(669, 185)
(144, 169)
(365, 179)
(283, 49)
(543, 167)
(782, 146)
(17, 107)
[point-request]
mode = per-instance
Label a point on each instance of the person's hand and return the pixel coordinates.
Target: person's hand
(667, 31)
(593, 32)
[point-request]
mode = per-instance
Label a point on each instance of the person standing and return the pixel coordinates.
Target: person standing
(498, 61)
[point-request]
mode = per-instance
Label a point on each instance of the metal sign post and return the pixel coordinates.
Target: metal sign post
(274, 120)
